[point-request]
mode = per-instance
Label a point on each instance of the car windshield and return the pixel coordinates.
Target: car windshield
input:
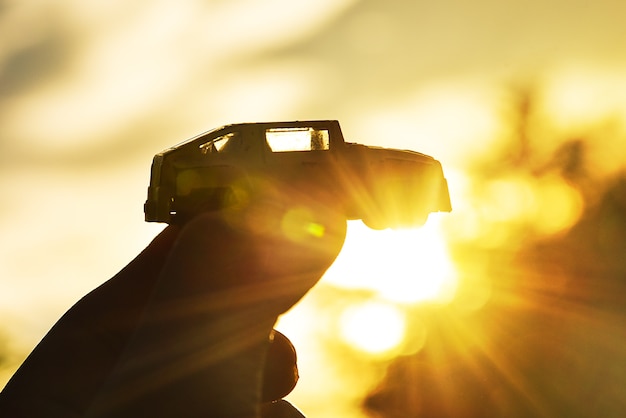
(221, 144)
(297, 139)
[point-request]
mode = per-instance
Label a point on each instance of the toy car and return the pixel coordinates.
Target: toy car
(295, 163)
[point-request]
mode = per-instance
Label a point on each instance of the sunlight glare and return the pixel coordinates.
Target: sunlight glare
(372, 327)
(405, 266)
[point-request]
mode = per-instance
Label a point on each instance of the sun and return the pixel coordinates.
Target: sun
(404, 266)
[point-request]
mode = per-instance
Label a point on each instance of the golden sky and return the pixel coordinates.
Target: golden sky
(91, 90)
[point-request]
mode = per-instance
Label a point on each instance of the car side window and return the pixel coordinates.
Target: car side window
(297, 139)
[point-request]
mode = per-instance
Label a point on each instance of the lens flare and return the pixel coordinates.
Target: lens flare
(299, 224)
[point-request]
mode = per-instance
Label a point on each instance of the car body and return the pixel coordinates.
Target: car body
(297, 163)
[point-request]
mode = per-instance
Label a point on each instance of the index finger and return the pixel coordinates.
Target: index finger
(201, 343)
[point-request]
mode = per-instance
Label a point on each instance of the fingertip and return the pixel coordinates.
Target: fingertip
(280, 409)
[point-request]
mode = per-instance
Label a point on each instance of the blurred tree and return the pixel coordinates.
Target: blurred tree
(550, 340)
(7, 359)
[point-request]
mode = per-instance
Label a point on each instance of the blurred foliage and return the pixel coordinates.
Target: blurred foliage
(548, 340)
(9, 358)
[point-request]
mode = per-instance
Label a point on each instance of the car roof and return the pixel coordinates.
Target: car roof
(247, 126)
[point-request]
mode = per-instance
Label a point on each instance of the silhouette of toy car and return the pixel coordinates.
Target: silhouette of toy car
(304, 163)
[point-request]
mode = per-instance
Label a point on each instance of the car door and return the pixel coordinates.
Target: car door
(302, 162)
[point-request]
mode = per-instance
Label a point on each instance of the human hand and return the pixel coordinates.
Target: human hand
(182, 330)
